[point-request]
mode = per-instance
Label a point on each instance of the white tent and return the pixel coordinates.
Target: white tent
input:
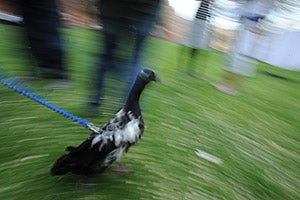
(278, 49)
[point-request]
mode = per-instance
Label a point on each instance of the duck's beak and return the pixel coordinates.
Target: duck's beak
(157, 80)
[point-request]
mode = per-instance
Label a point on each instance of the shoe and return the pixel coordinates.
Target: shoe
(58, 85)
(191, 74)
(226, 89)
(92, 110)
(48, 73)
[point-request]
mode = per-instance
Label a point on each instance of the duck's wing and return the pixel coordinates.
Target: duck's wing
(75, 158)
(85, 158)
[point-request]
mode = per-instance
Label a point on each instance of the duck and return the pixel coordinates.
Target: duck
(112, 140)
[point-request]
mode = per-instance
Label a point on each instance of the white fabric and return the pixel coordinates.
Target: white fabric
(278, 49)
(281, 49)
(240, 61)
(241, 64)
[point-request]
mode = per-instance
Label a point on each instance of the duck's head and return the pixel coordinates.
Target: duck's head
(148, 75)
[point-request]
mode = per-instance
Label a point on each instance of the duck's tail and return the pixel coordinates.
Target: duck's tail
(61, 166)
(77, 160)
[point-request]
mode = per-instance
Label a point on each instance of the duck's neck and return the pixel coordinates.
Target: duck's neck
(132, 103)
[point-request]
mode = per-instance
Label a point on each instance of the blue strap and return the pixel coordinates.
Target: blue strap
(17, 84)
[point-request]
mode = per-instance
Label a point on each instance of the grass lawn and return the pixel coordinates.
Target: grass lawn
(256, 135)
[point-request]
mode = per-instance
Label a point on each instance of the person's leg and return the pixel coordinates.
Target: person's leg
(143, 25)
(182, 57)
(106, 62)
(136, 61)
(41, 23)
(237, 68)
(191, 61)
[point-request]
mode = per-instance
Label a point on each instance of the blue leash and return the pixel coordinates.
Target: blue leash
(20, 87)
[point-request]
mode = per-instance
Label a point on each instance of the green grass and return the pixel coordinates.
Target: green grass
(256, 134)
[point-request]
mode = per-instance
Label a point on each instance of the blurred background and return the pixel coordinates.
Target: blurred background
(279, 48)
(251, 139)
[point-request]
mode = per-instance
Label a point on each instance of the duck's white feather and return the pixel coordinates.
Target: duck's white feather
(120, 133)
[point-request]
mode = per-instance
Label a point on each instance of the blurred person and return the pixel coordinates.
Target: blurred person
(126, 25)
(197, 37)
(41, 23)
(238, 65)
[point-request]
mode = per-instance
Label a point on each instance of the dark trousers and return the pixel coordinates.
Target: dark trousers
(41, 23)
(128, 64)
(132, 28)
